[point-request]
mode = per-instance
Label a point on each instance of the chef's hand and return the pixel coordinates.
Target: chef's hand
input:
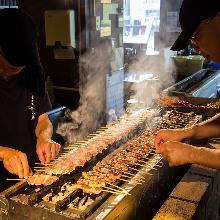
(47, 149)
(16, 163)
(169, 135)
(176, 153)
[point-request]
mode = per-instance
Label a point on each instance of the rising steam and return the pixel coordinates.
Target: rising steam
(91, 112)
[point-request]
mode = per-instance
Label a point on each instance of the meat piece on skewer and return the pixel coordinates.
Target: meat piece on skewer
(113, 133)
(107, 169)
(92, 183)
(42, 179)
(94, 175)
(91, 190)
(123, 160)
(135, 149)
(118, 165)
(131, 154)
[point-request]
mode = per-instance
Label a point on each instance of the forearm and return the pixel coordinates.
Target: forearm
(44, 128)
(205, 157)
(46, 148)
(203, 130)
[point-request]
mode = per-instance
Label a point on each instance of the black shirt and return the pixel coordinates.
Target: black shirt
(17, 129)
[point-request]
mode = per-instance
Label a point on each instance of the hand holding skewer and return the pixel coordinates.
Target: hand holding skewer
(169, 135)
(16, 162)
(176, 153)
(47, 149)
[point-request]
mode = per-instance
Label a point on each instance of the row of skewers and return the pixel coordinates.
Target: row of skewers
(120, 167)
(123, 165)
(81, 152)
(172, 101)
(125, 161)
(136, 153)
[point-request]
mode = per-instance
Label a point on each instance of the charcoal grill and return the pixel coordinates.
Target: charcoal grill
(23, 201)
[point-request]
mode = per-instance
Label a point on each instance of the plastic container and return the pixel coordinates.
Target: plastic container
(180, 63)
(194, 63)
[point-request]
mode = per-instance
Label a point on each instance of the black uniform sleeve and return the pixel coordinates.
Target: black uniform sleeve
(44, 102)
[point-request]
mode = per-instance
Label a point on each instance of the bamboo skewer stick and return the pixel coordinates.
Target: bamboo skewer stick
(112, 192)
(131, 177)
(115, 190)
(149, 163)
(99, 132)
(129, 181)
(139, 180)
(134, 175)
(70, 148)
(46, 164)
(117, 187)
(140, 171)
(153, 160)
(154, 164)
(17, 179)
(145, 166)
(39, 170)
(75, 144)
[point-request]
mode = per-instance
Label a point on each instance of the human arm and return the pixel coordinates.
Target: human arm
(180, 153)
(46, 148)
(206, 129)
(15, 162)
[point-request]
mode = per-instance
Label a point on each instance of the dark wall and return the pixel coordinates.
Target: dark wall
(68, 73)
(164, 38)
(63, 73)
(168, 6)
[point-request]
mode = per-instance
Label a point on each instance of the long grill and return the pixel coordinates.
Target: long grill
(142, 184)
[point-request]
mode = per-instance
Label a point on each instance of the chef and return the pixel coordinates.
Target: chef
(200, 22)
(25, 129)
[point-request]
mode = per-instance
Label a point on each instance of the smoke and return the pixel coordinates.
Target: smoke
(96, 65)
(151, 74)
(91, 112)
